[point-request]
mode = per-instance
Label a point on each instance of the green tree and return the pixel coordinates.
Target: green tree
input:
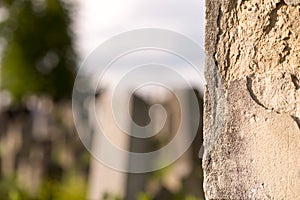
(39, 57)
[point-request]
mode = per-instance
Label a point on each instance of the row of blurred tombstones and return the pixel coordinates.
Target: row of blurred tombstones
(39, 140)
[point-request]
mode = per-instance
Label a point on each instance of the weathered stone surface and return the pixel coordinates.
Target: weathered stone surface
(292, 2)
(252, 100)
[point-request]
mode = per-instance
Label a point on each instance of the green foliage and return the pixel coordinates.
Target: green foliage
(144, 196)
(38, 57)
(9, 190)
(108, 196)
(189, 197)
(176, 196)
(72, 187)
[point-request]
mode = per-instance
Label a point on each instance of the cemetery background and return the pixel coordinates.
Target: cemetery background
(41, 156)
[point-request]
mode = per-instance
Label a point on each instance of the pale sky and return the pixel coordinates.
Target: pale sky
(98, 20)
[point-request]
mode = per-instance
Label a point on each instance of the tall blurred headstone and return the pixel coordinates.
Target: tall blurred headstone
(104, 180)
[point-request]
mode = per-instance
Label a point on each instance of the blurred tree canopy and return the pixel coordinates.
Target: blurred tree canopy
(38, 57)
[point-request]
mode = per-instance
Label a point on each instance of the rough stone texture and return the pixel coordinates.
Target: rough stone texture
(252, 100)
(292, 2)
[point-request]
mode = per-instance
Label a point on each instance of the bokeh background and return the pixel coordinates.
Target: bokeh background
(42, 43)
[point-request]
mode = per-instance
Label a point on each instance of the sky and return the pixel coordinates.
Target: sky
(98, 20)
